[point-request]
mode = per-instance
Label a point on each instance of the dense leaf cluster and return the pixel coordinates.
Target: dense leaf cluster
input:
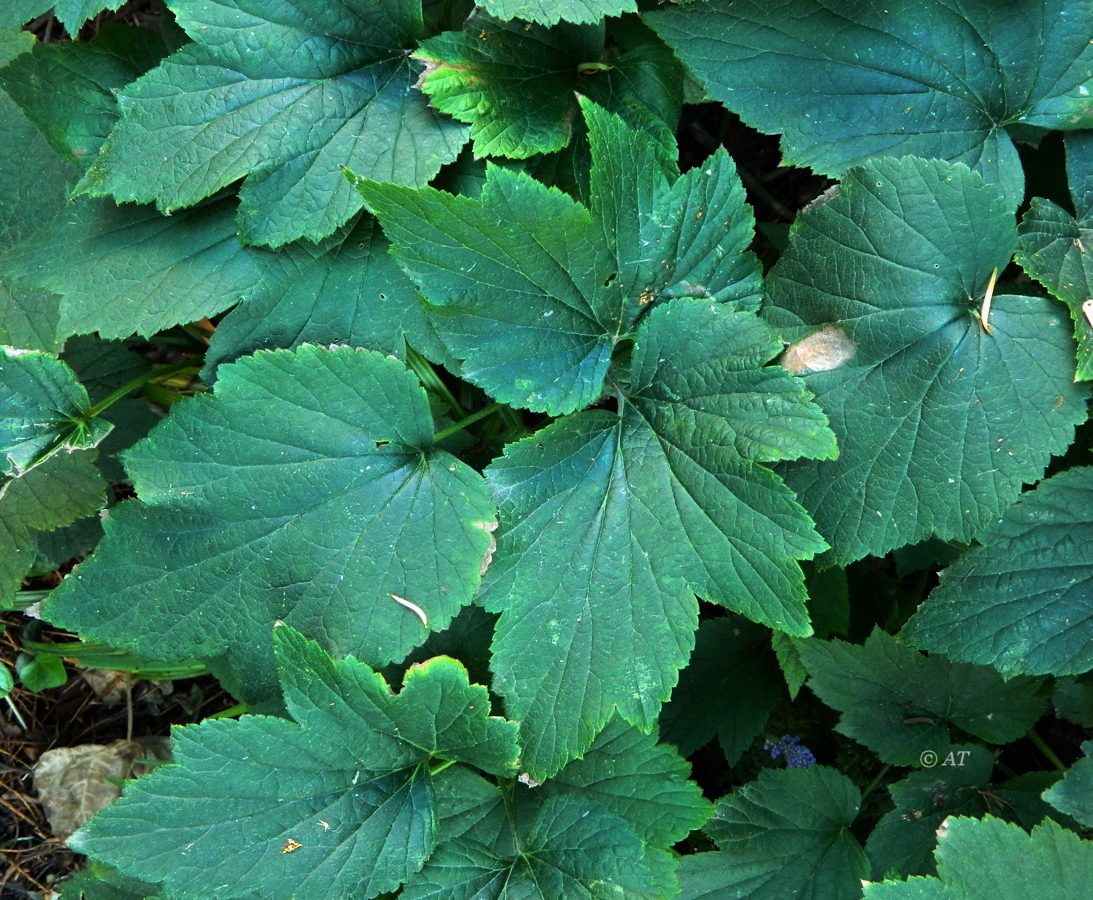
(447, 365)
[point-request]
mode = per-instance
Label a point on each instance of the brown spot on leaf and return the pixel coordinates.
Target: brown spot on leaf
(290, 846)
(821, 351)
(489, 528)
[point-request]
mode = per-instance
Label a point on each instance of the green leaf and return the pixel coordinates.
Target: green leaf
(583, 277)
(40, 673)
(547, 12)
(789, 660)
(13, 44)
(1056, 248)
(7, 681)
(632, 789)
(282, 102)
(728, 690)
(612, 521)
(881, 84)
(33, 187)
(63, 489)
(1074, 794)
(903, 841)
(634, 777)
(564, 848)
(305, 490)
(150, 271)
(103, 367)
(1022, 598)
(785, 834)
(337, 802)
(71, 13)
(983, 859)
(939, 423)
(98, 882)
(69, 89)
(154, 271)
(348, 290)
(903, 705)
(43, 410)
(516, 84)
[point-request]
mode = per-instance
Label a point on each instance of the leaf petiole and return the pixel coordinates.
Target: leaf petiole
(126, 389)
(469, 420)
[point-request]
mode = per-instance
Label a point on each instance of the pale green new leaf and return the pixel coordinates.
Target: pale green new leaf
(14, 43)
(1020, 601)
(860, 80)
(901, 703)
(63, 489)
(785, 834)
(1074, 794)
(43, 410)
(532, 290)
(69, 89)
(282, 97)
(337, 802)
(516, 84)
(305, 489)
(1056, 248)
(70, 13)
(611, 522)
(547, 12)
(984, 859)
(33, 188)
(939, 422)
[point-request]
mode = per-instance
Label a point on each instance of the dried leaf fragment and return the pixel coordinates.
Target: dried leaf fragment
(821, 351)
(73, 785)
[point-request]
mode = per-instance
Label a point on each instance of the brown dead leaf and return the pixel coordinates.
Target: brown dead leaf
(489, 528)
(821, 351)
(72, 782)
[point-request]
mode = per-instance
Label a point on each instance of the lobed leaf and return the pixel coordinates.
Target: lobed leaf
(306, 490)
(43, 410)
(1020, 601)
(903, 841)
(612, 521)
(33, 187)
(69, 89)
(348, 807)
(939, 422)
(922, 77)
(516, 84)
(1053, 247)
(902, 704)
(281, 97)
(786, 832)
(583, 277)
(71, 13)
(1074, 794)
(547, 12)
(61, 490)
(980, 859)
